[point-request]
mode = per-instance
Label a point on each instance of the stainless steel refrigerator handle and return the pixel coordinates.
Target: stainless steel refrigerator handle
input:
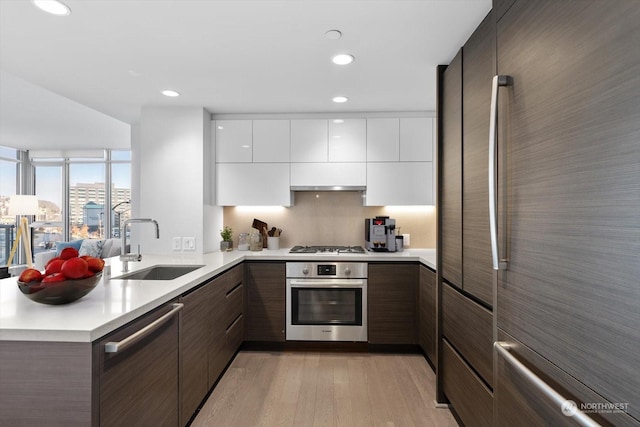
(498, 81)
(567, 407)
(116, 346)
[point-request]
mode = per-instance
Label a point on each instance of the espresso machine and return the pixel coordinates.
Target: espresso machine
(379, 234)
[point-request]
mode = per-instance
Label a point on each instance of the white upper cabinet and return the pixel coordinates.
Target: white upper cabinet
(347, 140)
(328, 174)
(271, 141)
(416, 139)
(234, 141)
(309, 140)
(383, 140)
(399, 183)
(253, 184)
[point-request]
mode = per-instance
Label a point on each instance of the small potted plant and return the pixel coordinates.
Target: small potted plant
(227, 239)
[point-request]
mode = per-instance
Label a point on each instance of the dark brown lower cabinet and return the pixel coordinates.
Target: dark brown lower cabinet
(227, 304)
(265, 301)
(195, 329)
(392, 294)
(159, 380)
(427, 327)
(47, 383)
(209, 311)
(139, 384)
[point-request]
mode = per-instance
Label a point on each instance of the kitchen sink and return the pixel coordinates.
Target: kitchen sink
(160, 272)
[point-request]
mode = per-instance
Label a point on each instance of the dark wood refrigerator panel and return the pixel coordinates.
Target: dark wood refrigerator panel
(470, 397)
(451, 185)
(521, 404)
(478, 70)
(570, 160)
(468, 327)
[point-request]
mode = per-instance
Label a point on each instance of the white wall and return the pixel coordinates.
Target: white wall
(34, 118)
(173, 158)
(213, 215)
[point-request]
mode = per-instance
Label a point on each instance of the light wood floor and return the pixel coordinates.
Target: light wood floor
(324, 389)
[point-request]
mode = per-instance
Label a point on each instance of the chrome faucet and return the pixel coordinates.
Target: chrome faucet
(124, 256)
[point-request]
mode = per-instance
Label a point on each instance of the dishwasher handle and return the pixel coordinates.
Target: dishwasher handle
(118, 346)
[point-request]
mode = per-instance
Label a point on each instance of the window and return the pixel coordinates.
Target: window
(48, 227)
(9, 170)
(74, 200)
(86, 206)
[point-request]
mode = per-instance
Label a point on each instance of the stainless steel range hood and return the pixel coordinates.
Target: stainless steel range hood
(329, 188)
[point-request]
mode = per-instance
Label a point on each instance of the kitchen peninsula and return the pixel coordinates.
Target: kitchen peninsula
(55, 355)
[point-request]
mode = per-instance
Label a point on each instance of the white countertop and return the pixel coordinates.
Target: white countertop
(114, 303)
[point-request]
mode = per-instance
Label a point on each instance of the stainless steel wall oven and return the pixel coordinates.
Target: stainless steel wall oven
(326, 301)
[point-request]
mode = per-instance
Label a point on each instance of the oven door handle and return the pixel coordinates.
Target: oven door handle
(351, 283)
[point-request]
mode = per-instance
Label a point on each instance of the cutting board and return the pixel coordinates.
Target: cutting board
(261, 226)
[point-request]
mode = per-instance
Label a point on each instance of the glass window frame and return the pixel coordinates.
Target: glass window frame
(66, 163)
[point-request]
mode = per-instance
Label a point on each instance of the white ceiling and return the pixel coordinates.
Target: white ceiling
(228, 56)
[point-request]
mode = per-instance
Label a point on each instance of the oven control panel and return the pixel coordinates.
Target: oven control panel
(327, 269)
(356, 270)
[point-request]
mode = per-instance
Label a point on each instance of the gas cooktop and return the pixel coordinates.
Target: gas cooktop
(327, 249)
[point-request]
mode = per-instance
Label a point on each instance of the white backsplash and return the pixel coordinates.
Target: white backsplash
(332, 218)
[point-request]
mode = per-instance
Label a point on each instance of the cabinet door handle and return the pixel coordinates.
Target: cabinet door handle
(116, 346)
(498, 264)
(567, 406)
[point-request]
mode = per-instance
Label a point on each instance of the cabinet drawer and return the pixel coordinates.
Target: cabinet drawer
(468, 327)
(231, 278)
(233, 304)
(234, 336)
(471, 399)
(427, 313)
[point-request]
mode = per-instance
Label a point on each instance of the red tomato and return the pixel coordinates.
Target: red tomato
(30, 275)
(88, 274)
(54, 267)
(51, 260)
(68, 253)
(53, 278)
(95, 264)
(74, 268)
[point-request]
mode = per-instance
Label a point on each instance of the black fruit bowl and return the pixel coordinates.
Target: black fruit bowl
(59, 292)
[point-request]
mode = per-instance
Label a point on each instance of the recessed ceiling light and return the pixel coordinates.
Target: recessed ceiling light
(220, 127)
(340, 99)
(171, 93)
(343, 59)
(53, 7)
(338, 121)
(333, 34)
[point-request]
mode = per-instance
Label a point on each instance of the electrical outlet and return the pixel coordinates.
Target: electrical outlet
(176, 244)
(406, 240)
(189, 243)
